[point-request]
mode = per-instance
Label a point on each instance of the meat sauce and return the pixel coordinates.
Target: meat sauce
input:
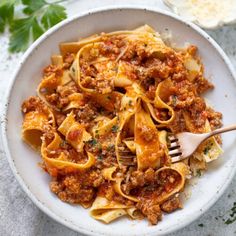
(147, 185)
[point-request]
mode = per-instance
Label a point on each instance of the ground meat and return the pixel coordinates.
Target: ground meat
(152, 211)
(48, 137)
(34, 104)
(106, 191)
(52, 69)
(137, 179)
(59, 117)
(110, 48)
(185, 94)
(103, 85)
(149, 175)
(66, 90)
(156, 68)
(197, 112)
(192, 50)
(99, 79)
(85, 114)
(58, 97)
(178, 124)
(151, 91)
(72, 184)
(215, 118)
(94, 178)
(203, 85)
(77, 187)
(52, 99)
(71, 191)
(146, 133)
(68, 60)
(171, 205)
(74, 156)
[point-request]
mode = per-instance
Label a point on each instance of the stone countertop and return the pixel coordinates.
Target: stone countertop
(19, 216)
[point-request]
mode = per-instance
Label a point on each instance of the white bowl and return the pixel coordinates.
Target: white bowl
(23, 160)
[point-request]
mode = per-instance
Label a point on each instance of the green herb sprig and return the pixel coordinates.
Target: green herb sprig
(229, 216)
(38, 17)
(232, 215)
(114, 128)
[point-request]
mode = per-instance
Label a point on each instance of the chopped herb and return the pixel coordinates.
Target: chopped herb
(130, 102)
(100, 157)
(199, 173)
(232, 216)
(110, 147)
(109, 97)
(206, 150)
(174, 100)
(63, 144)
(96, 131)
(101, 110)
(230, 221)
(92, 141)
(114, 128)
(201, 225)
(99, 147)
(149, 188)
(73, 69)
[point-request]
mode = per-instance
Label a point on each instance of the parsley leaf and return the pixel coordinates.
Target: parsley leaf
(6, 13)
(110, 147)
(53, 15)
(92, 142)
(41, 16)
(115, 128)
(232, 216)
(206, 150)
(21, 32)
(199, 173)
(32, 6)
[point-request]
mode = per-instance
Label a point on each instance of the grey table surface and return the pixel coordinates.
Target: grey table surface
(19, 216)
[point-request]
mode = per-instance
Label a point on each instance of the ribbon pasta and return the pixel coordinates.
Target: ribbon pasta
(101, 119)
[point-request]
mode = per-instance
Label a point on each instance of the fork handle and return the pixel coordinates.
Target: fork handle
(221, 130)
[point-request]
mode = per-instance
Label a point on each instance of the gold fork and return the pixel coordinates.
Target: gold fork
(181, 145)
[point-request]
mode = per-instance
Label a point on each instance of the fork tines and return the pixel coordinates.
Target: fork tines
(127, 158)
(174, 147)
(127, 161)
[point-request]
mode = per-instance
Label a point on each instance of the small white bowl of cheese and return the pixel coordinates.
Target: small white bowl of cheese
(208, 14)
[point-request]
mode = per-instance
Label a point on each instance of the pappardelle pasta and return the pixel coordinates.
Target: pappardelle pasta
(110, 97)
